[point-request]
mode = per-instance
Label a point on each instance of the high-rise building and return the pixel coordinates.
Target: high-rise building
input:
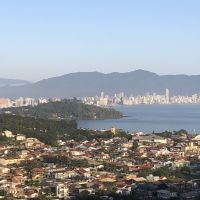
(29, 102)
(102, 94)
(167, 95)
(5, 103)
(103, 100)
(19, 102)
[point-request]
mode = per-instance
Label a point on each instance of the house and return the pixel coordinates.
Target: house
(84, 172)
(23, 153)
(162, 152)
(77, 153)
(10, 161)
(128, 144)
(60, 173)
(89, 190)
(62, 190)
(139, 179)
(16, 190)
(18, 180)
(32, 142)
(8, 134)
(151, 138)
(191, 147)
(20, 137)
(4, 170)
(114, 130)
(37, 174)
(152, 178)
(30, 193)
(181, 163)
(196, 138)
(126, 190)
(104, 156)
(130, 177)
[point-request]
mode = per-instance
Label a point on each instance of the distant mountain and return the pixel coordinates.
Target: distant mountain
(12, 82)
(82, 84)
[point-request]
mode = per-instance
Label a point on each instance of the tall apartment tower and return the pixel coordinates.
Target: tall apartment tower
(167, 95)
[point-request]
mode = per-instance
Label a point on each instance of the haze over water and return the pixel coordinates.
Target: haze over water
(149, 118)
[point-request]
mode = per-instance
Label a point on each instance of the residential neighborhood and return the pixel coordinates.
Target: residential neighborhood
(164, 166)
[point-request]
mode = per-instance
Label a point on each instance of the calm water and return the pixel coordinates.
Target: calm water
(148, 118)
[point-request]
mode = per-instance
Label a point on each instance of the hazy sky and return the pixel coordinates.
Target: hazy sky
(45, 38)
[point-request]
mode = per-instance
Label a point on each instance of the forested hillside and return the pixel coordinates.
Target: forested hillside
(66, 109)
(47, 131)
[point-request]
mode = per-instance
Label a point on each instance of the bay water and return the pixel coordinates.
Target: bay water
(149, 118)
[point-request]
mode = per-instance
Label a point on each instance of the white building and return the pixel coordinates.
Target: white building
(62, 190)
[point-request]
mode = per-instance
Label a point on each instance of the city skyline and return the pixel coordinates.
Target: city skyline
(108, 100)
(41, 39)
(148, 98)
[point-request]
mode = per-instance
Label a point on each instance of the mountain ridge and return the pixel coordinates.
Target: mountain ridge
(80, 84)
(12, 82)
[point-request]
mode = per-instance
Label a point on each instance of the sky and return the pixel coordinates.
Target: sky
(47, 38)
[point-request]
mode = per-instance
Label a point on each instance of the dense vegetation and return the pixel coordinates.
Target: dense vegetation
(169, 134)
(47, 131)
(171, 174)
(65, 161)
(66, 109)
(55, 120)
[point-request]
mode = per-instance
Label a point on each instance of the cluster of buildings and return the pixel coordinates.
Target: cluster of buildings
(7, 103)
(121, 98)
(106, 100)
(116, 164)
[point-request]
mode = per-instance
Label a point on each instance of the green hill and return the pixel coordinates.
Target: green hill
(66, 109)
(47, 131)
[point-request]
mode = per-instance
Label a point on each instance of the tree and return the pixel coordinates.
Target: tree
(135, 145)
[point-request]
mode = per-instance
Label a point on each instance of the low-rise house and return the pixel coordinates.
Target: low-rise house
(162, 152)
(4, 170)
(33, 143)
(191, 147)
(128, 144)
(8, 134)
(89, 190)
(37, 174)
(30, 193)
(18, 180)
(10, 160)
(151, 138)
(23, 153)
(124, 190)
(62, 190)
(20, 137)
(4, 147)
(17, 191)
(181, 163)
(83, 172)
(152, 178)
(61, 174)
(139, 180)
(77, 153)
(104, 156)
